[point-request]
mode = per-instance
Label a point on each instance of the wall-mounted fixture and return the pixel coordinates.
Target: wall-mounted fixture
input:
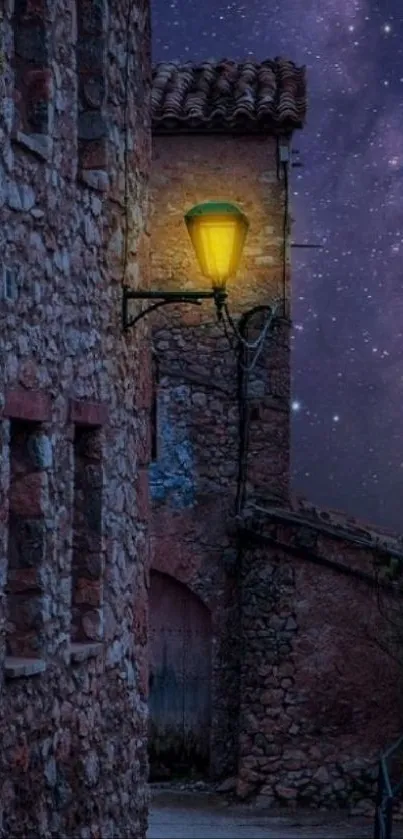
(217, 231)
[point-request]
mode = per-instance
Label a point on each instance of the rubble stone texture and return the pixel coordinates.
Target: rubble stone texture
(319, 696)
(303, 697)
(74, 401)
(194, 476)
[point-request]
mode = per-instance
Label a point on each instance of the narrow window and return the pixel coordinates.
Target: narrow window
(154, 407)
(91, 70)
(33, 78)
(30, 457)
(87, 559)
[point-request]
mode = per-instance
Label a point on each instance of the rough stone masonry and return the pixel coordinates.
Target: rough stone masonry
(302, 696)
(74, 395)
(194, 474)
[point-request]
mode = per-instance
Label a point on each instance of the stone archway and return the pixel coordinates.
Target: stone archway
(180, 680)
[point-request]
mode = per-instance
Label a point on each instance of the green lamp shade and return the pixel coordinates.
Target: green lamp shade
(218, 231)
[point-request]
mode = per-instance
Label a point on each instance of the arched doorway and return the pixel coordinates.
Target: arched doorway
(180, 680)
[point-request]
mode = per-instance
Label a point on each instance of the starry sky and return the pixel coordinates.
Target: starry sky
(347, 408)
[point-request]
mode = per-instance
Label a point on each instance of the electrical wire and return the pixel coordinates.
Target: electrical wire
(243, 417)
(129, 35)
(249, 344)
(273, 311)
(245, 365)
(227, 333)
(285, 231)
(258, 344)
(269, 323)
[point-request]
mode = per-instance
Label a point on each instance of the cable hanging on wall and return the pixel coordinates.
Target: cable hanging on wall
(129, 37)
(275, 313)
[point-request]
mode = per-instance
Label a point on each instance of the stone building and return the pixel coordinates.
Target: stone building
(74, 393)
(252, 671)
(320, 674)
(213, 140)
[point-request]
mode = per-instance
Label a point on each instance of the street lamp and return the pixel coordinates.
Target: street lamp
(217, 230)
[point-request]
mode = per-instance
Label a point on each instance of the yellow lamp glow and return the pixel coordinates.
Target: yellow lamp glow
(218, 231)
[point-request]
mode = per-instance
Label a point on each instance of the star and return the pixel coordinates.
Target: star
(347, 308)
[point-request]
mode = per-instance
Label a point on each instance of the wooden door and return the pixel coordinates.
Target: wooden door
(180, 677)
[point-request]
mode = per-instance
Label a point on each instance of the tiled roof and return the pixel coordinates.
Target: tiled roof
(346, 523)
(229, 96)
(302, 512)
(307, 531)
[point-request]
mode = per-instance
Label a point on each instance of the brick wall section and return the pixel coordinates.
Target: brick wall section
(320, 698)
(194, 477)
(73, 758)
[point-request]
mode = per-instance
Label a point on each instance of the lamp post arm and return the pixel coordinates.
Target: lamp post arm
(163, 298)
(129, 322)
(169, 296)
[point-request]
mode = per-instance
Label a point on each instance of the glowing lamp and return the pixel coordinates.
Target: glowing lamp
(217, 230)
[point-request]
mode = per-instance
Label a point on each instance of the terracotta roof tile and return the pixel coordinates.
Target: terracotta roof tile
(300, 510)
(229, 96)
(345, 522)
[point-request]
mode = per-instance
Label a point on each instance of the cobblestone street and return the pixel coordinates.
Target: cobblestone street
(181, 815)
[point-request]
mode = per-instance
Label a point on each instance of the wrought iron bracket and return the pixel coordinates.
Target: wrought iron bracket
(164, 298)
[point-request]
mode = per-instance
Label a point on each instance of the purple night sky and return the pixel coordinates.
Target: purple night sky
(347, 297)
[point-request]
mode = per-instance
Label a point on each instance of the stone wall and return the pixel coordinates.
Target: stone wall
(320, 698)
(194, 478)
(74, 402)
(303, 695)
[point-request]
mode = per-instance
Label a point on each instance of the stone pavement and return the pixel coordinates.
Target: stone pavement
(198, 815)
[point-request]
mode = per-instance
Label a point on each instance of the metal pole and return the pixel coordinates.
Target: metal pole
(388, 819)
(378, 804)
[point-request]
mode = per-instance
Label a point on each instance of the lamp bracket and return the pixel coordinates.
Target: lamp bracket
(163, 298)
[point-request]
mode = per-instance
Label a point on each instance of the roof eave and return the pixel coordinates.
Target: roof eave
(281, 130)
